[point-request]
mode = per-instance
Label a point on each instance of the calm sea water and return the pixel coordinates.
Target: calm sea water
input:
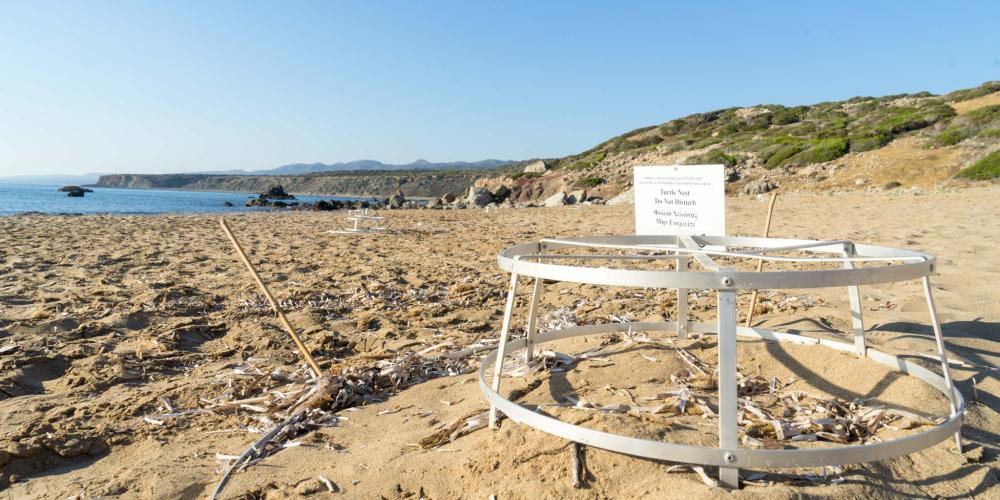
(20, 198)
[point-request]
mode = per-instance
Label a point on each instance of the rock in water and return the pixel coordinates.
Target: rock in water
(75, 191)
(227, 204)
(556, 200)
(276, 192)
(257, 202)
(397, 200)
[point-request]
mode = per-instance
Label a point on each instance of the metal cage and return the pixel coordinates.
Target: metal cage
(858, 265)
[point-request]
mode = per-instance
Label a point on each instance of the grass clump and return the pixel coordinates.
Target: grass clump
(588, 162)
(951, 136)
(985, 169)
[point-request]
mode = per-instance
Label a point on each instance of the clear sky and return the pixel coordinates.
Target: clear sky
(181, 86)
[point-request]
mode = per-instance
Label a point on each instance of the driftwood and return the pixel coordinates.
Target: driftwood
(274, 305)
(254, 450)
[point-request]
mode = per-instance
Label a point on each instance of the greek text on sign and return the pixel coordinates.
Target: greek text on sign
(680, 199)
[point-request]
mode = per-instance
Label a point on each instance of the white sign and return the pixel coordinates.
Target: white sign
(680, 199)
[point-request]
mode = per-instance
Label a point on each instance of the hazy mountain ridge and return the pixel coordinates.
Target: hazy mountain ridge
(365, 165)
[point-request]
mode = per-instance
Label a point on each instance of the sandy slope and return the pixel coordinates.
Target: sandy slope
(112, 313)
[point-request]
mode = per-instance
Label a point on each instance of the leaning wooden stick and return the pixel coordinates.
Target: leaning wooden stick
(760, 263)
(274, 305)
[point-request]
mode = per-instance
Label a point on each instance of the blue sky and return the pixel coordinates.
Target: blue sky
(182, 86)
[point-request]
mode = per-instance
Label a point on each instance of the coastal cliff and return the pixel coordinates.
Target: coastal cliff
(412, 184)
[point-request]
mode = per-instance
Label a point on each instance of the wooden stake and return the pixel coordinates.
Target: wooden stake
(274, 305)
(760, 263)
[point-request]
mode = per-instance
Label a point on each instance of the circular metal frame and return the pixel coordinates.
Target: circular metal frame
(740, 457)
(859, 265)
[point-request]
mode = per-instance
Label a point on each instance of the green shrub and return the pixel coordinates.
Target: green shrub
(590, 182)
(823, 150)
(525, 175)
(951, 136)
(588, 162)
(781, 155)
(706, 142)
(630, 144)
(986, 168)
(787, 116)
(990, 133)
(966, 94)
(868, 142)
(985, 114)
(715, 156)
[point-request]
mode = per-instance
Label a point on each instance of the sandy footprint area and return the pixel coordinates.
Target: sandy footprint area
(124, 342)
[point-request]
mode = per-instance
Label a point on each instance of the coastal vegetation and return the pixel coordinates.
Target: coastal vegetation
(986, 168)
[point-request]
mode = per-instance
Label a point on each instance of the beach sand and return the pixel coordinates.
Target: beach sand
(113, 315)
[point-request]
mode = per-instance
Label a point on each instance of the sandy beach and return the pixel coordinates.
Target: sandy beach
(108, 321)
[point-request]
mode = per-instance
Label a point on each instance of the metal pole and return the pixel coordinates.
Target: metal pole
(533, 313)
(682, 304)
(939, 338)
(854, 294)
(504, 331)
(729, 477)
(533, 319)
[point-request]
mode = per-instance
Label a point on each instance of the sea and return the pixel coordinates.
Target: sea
(47, 199)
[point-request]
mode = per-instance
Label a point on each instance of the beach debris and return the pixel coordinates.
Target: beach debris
(255, 450)
(332, 488)
(697, 469)
(559, 319)
(9, 349)
(458, 428)
(579, 465)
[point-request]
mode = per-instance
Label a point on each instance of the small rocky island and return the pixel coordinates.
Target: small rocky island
(276, 192)
(75, 191)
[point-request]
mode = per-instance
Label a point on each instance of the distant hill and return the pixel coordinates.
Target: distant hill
(365, 165)
(902, 140)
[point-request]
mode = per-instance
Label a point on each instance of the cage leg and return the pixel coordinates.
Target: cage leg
(854, 294)
(504, 333)
(729, 477)
(533, 319)
(939, 338)
(682, 304)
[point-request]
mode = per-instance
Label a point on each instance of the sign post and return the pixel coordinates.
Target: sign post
(680, 200)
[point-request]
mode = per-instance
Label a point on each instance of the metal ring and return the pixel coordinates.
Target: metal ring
(903, 264)
(717, 456)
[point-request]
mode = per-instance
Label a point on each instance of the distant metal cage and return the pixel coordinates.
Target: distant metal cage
(885, 265)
